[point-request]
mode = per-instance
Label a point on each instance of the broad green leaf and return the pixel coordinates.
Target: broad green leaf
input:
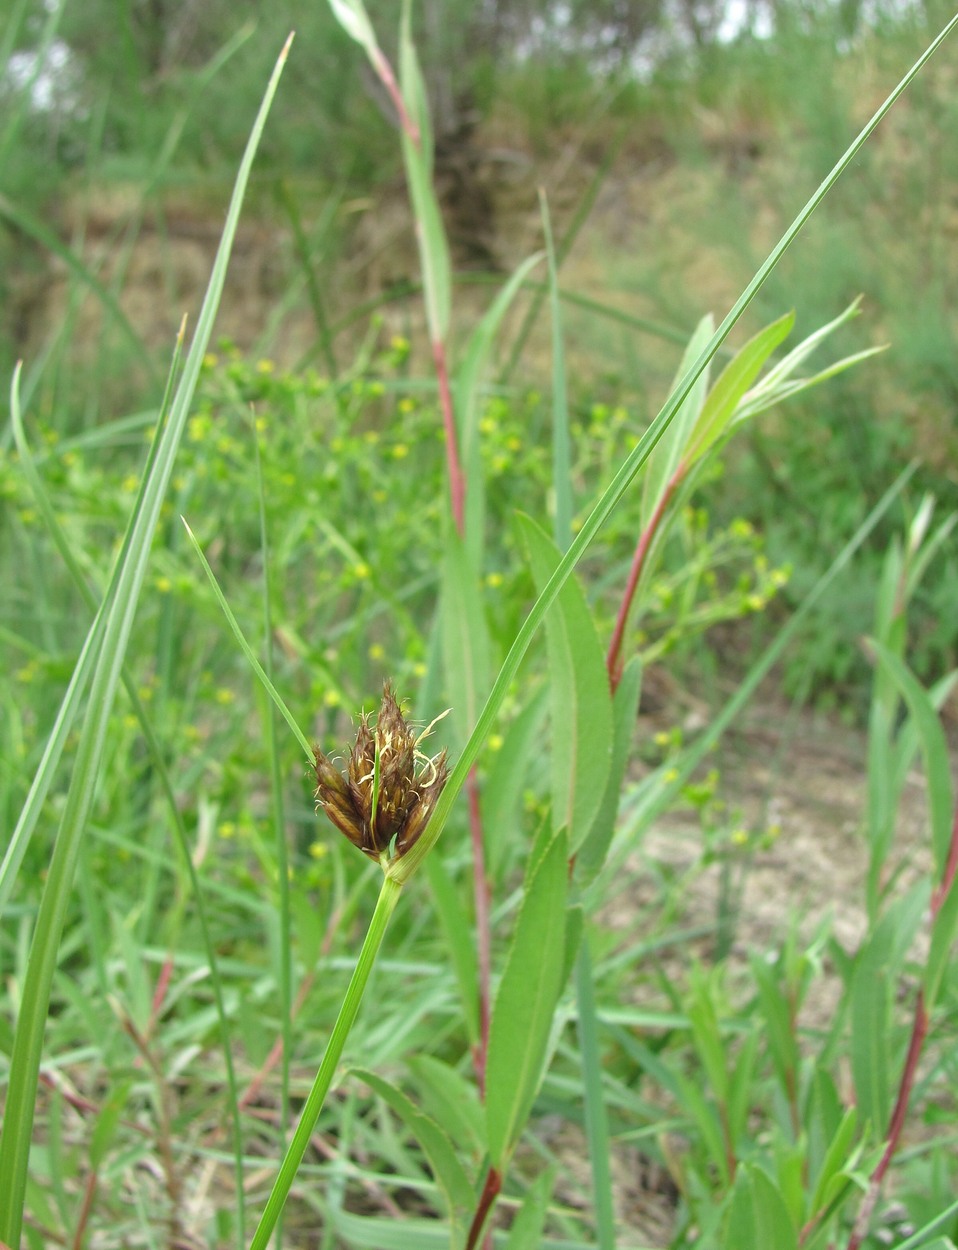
(665, 459)
(581, 702)
(758, 1217)
(731, 384)
(625, 707)
(465, 637)
(451, 1100)
(526, 1002)
(443, 1160)
(460, 941)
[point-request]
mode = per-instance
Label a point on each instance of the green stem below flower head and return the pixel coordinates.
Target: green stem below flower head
(385, 905)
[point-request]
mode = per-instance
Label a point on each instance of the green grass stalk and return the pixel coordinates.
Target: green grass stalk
(385, 905)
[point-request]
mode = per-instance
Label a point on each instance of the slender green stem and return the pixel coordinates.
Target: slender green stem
(385, 904)
(596, 1119)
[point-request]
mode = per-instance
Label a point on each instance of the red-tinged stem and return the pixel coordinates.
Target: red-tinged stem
(83, 1218)
(159, 994)
(613, 660)
(388, 80)
(919, 1031)
(490, 1191)
(457, 483)
(483, 899)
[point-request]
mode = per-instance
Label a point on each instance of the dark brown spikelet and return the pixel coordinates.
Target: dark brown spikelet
(389, 788)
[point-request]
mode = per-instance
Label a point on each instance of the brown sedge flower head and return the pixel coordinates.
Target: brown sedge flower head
(389, 788)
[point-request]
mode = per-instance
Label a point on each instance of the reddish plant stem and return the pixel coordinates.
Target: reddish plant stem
(490, 1191)
(919, 1031)
(86, 1206)
(388, 80)
(613, 659)
(457, 483)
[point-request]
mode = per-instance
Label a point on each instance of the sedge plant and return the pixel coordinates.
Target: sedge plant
(515, 1034)
(393, 801)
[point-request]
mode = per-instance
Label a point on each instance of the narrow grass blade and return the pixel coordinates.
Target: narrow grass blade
(385, 905)
(247, 649)
(561, 456)
(922, 1240)
(596, 1120)
(118, 621)
(630, 467)
(65, 717)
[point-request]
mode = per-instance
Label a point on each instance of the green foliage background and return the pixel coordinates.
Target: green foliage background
(313, 479)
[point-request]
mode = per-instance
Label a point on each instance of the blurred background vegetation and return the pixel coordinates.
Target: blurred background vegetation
(674, 140)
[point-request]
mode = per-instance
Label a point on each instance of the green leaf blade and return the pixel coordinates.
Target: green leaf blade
(526, 1001)
(581, 701)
